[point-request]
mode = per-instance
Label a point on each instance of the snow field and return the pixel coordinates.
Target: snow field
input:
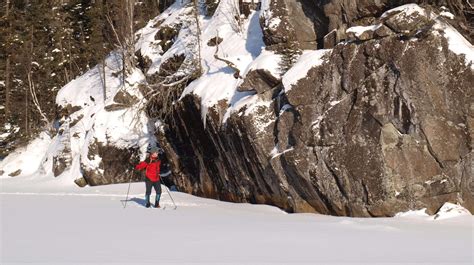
(50, 223)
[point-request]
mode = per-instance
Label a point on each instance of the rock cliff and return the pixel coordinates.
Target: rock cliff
(381, 124)
(378, 122)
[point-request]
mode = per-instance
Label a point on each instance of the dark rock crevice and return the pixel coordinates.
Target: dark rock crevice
(430, 150)
(338, 182)
(314, 14)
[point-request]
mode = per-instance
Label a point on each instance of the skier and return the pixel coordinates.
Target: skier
(152, 173)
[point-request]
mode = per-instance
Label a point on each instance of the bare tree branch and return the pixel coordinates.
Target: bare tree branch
(229, 63)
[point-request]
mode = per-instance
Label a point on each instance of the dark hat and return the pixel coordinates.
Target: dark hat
(154, 150)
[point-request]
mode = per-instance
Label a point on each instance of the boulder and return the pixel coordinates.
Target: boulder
(67, 110)
(60, 163)
(408, 21)
(214, 41)
(108, 164)
(361, 33)
(166, 36)
(15, 173)
(81, 182)
(259, 80)
(122, 100)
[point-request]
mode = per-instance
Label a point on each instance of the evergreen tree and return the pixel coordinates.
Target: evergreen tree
(290, 53)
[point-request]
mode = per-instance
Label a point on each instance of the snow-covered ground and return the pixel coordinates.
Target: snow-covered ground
(54, 222)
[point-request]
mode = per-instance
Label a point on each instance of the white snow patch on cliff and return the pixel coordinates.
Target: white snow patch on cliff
(358, 30)
(451, 210)
(87, 90)
(251, 108)
(267, 60)
(249, 104)
(447, 14)
(275, 153)
(241, 46)
(274, 23)
(407, 10)
(244, 99)
(307, 60)
(456, 42)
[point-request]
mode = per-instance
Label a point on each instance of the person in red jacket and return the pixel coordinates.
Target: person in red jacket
(152, 173)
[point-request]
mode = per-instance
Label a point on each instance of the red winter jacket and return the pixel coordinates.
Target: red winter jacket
(152, 169)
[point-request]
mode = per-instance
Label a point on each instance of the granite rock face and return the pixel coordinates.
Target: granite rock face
(391, 130)
(310, 22)
(383, 125)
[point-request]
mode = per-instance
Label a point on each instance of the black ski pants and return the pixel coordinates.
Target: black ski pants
(149, 184)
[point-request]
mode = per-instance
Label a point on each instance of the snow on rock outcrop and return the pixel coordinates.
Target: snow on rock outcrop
(27, 160)
(451, 210)
(375, 126)
(411, 19)
(308, 60)
(263, 74)
(457, 43)
(149, 43)
(406, 12)
(362, 32)
(241, 45)
(447, 211)
(103, 128)
(268, 61)
(94, 132)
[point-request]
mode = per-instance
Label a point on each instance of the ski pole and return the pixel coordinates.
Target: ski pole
(169, 194)
(128, 191)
